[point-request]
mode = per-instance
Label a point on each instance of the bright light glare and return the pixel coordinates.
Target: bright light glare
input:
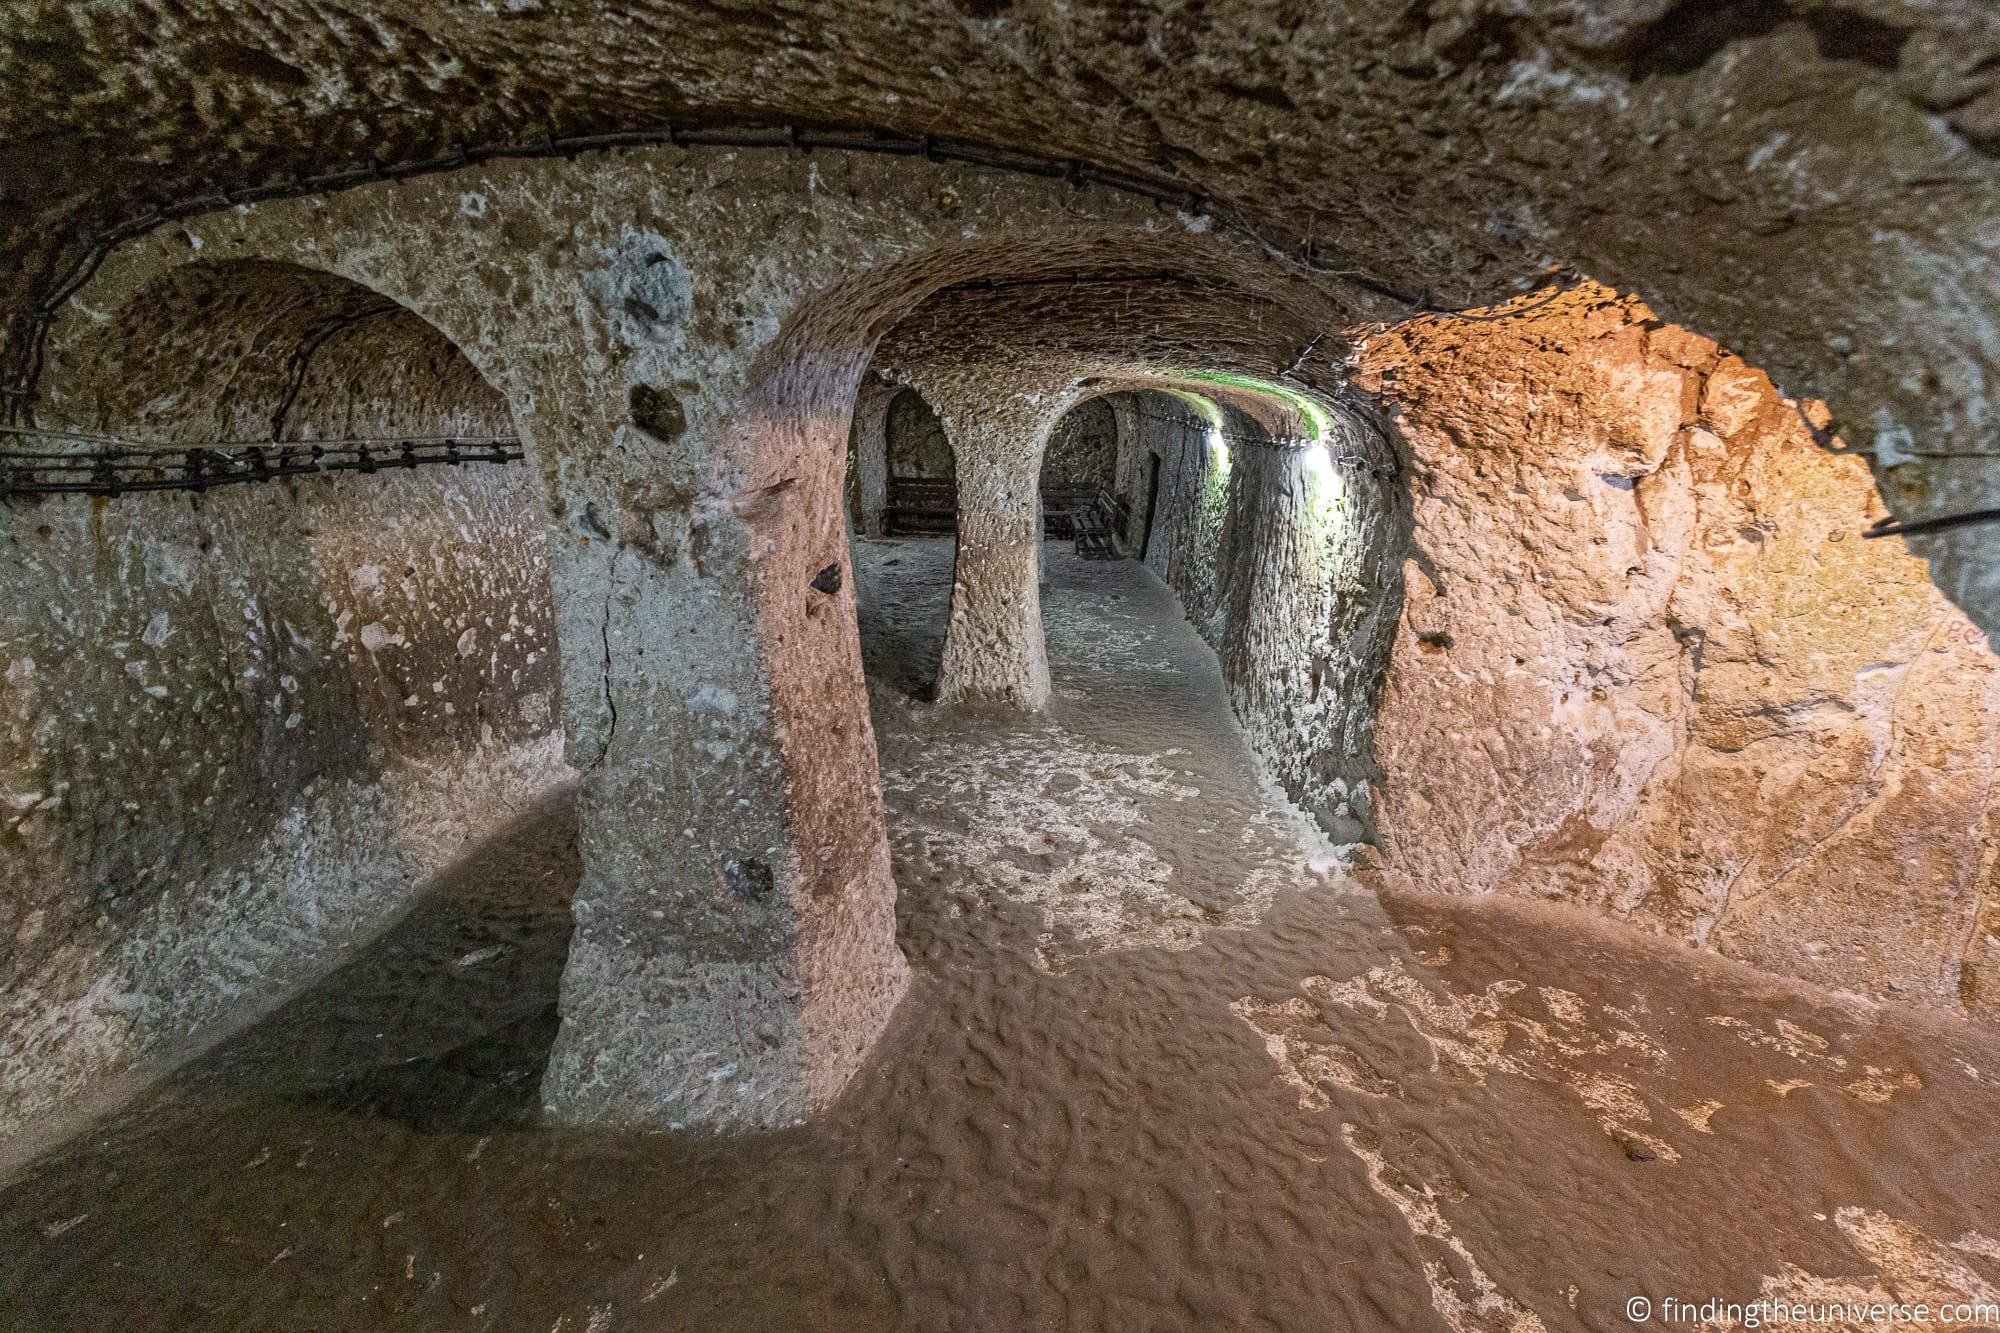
(1212, 414)
(1317, 420)
(1319, 463)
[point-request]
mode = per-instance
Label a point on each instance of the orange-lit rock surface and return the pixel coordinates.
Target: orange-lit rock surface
(1649, 664)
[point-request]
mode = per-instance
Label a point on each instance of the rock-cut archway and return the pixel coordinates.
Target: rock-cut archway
(261, 714)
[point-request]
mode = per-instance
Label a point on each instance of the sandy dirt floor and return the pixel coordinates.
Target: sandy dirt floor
(1163, 1067)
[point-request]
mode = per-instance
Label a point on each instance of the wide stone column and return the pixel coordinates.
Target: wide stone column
(994, 650)
(871, 454)
(734, 953)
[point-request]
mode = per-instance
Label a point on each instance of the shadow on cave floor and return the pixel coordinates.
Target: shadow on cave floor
(1160, 1068)
(445, 1020)
(907, 642)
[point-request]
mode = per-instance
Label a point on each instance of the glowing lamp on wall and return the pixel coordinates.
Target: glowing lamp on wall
(1319, 464)
(1218, 449)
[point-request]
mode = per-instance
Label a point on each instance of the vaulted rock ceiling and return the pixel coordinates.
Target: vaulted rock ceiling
(1812, 183)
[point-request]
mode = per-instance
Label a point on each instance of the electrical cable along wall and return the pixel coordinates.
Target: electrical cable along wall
(342, 681)
(1310, 256)
(137, 467)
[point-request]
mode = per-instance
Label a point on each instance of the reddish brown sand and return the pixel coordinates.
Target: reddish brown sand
(1162, 1068)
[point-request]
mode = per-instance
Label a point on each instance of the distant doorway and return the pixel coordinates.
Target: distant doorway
(1152, 503)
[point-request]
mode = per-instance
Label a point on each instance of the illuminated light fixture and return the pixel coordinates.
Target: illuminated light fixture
(1320, 463)
(1212, 414)
(1318, 458)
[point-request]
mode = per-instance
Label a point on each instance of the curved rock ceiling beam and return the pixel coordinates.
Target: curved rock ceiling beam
(1080, 331)
(1806, 181)
(1084, 338)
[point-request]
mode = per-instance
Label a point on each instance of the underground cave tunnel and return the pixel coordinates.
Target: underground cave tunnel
(1195, 672)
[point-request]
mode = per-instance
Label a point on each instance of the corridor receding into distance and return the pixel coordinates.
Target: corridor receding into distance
(995, 666)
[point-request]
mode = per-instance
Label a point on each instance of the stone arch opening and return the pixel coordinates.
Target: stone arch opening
(1083, 448)
(923, 473)
(779, 467)
(903, 481)
(1078, 473)
(800, 413)
(1007, 358)
(256, 350)
(1280, 521)
(295, 701)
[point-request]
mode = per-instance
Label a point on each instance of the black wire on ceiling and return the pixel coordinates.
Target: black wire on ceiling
(65, 282)
(1916, 527)
(1309, 255)
(1827, 439)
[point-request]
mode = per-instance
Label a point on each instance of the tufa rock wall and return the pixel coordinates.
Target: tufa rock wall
(1083, 448)
(240, 728)
(917, 444)
(1638, 657)
(1648, 664)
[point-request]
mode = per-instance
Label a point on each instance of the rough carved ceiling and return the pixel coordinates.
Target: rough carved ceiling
(1098, 327)
(1813, 183)
(1095, 335)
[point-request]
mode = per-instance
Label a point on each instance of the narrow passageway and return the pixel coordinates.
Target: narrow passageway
(1127, 815)
(1162, 1065)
